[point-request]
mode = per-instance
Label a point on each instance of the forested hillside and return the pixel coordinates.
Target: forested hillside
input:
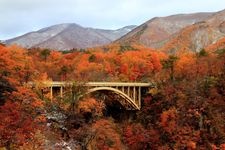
(184, 111)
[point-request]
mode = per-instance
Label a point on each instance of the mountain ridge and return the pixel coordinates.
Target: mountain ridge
(199, 35)
(156, 30)
(68, 36)
(188, 32)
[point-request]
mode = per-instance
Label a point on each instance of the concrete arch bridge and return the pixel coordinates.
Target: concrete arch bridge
(130, 93)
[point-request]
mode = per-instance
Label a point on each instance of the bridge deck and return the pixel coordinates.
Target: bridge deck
(107, 84)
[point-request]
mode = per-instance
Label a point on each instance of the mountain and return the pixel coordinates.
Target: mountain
(191, 32)
(156, 31)
(68, 36)
(199, 35)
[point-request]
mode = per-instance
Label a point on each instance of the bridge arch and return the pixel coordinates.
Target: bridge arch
(116, 91)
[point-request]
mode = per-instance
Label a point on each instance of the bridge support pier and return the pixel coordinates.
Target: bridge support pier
(61, 91)
(51, 93)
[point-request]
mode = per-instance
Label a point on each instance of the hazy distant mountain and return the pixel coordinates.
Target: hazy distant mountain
(68, 36)
(155, 32)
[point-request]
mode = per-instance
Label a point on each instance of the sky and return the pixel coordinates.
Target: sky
(18, 17)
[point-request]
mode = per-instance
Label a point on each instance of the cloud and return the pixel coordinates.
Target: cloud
(21, 16)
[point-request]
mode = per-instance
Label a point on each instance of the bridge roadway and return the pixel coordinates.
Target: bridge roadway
(112, 84)
(130, 92)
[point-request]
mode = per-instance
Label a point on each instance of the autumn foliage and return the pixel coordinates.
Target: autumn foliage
(184, 111)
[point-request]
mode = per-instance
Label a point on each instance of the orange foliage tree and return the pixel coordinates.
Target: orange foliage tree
(106, 135)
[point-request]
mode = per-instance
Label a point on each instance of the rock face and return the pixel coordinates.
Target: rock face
(179, 32)
(68, 36)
